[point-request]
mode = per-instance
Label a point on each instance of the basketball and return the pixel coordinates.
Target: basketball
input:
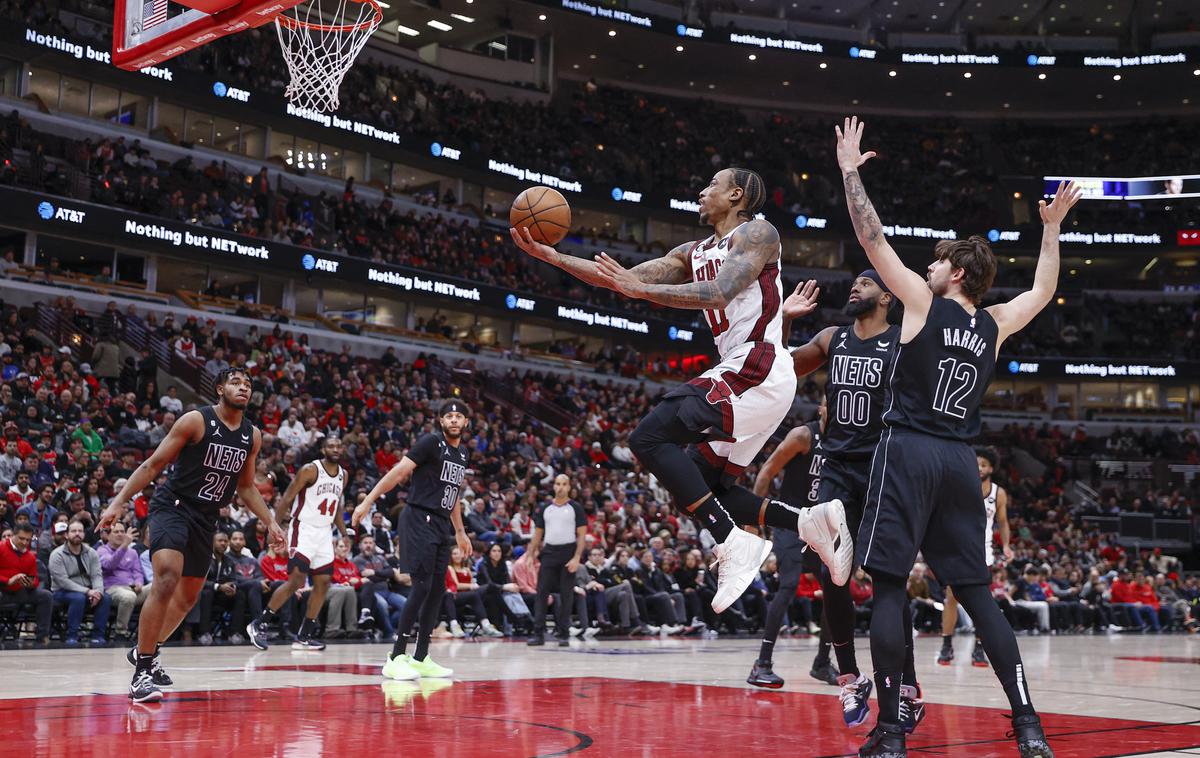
(544, 211)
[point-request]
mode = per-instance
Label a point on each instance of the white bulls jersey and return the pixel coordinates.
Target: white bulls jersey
(755, 314)
(320, 502)
(989, 506)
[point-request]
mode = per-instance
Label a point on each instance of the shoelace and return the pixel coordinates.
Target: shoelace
(143, 678)
(849, 696)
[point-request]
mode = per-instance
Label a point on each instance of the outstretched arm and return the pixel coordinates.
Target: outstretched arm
(752, 247)
(908, 285)
(812, 356)
(670, 269)
(1013, 316)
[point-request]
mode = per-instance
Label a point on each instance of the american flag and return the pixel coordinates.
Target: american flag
(153, 12)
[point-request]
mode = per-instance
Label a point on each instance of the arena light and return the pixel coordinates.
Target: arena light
(824, 65)
(966, 74)
(612, 32)
(752, 57)
(441, 26)
(679, 48)
(892, 73)
(1041, 76)
(461, 17)
(1116, 77)
(407, 30)
(541, 17)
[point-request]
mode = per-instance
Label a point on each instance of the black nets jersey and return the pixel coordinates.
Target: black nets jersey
(439, 475)
(855, 391)
(939, 378)
(205, 473)
(801, 480)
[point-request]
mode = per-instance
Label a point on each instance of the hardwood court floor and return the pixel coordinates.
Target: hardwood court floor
(1099, 696)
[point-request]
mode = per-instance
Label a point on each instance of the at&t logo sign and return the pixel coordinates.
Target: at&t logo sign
(311, 262)
(626, 196)
(675, 333)
(441, 151)
(47, 211)
(515, 303)
(233, 93)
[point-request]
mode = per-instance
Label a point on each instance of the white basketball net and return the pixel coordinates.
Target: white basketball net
(319, 46)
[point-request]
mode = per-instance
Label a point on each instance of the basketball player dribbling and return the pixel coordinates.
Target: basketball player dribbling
(212, 448)
(923, 493)
(995, 505)
(724, 416)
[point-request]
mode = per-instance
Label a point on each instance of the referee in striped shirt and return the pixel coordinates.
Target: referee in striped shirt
(558, 534)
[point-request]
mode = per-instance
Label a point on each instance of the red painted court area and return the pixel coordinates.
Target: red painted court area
(528, 717)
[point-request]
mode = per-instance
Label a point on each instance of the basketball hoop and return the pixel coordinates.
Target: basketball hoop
(320, 44)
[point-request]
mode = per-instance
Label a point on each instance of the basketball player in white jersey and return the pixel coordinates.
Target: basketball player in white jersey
(725, 415)
(317, 494)
(995, 504)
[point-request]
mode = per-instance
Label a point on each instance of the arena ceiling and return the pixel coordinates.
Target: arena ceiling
(587, 47)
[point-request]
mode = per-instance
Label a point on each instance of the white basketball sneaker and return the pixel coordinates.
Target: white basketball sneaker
(739, 558)
(823, 527)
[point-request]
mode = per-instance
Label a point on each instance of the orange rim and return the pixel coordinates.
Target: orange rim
(374, 20)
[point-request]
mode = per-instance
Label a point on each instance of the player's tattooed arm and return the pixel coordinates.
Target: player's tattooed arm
(672, 268)
(580, 268)
(909, 287)
(867, 225)
(751, 248)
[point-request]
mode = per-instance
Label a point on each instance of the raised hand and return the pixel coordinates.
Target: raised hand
(1067, 195)
(524, 240)
(802, 301)
(849, 140)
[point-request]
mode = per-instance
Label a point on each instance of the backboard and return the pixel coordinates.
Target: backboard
(148, 32)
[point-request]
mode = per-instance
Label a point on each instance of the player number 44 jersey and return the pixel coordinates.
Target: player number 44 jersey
(320, 502)
(754, 315)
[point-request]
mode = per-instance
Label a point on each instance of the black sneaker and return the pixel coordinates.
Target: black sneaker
(563, 641)
(1031, 740)
(159, 676)
(308, 643)
(761, 675)
(912, 707)
(257, 633)
(978, 657)
(536, 640)
(824, 672)
(947, 654)
(884, 741)
(143, 689)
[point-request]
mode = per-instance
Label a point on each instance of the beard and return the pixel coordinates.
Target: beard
(452, 435)
(863, 305)
(703, 218)
(237, 405)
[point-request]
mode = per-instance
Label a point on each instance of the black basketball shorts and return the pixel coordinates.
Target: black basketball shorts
(924, 495)
(426, 539)
(176, 524)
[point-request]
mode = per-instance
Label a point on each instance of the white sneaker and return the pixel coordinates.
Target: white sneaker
(739, 558)
(573, 631)
(671, 629)
(652, 628)
(823, 527)
(591, 632)
(456, 629)
(490, 629)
